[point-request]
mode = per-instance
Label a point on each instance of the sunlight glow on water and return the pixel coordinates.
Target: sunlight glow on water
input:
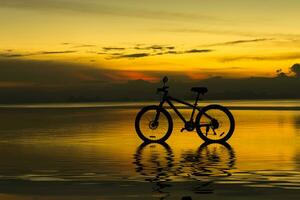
(100, 144)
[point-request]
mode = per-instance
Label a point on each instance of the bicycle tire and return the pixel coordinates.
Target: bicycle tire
(220, 108)
(162, 111)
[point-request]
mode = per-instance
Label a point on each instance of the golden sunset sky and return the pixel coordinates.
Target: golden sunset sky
(197, 38)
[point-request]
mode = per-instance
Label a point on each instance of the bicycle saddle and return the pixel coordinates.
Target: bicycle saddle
(201, 90)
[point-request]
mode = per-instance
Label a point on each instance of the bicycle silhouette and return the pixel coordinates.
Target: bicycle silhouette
(213, 123)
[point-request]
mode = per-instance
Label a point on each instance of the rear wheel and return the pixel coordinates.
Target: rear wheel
(215, 123)
(153, 124)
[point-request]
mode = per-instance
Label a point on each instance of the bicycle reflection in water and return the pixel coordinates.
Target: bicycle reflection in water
(156, 163)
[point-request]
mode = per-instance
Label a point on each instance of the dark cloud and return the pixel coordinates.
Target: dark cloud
(231, 32)
(49, 81)
(154, 47)
(185, 52)
(209, 31)
(170, 47)
(217, 32)
(47, 72)
(283, 56)
(113, 52)
(132, 56)
(198, 51)
(296, 69)
(172, 52)
(84, 46)
(77, 45)
(240, 42)
(12, 54)
(98, 8)
(116, 54)
(162, 51)
(113, 48)
(54, 52)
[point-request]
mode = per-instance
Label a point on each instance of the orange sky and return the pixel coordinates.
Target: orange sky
(196, 38)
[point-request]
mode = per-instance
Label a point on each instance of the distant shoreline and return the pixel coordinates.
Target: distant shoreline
(265, 104)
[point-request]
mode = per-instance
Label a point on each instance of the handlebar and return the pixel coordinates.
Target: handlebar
(162, 89)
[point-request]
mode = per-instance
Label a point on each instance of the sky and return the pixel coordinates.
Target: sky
(141, 39)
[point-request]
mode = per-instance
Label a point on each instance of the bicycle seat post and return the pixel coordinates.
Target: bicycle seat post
(196, 103)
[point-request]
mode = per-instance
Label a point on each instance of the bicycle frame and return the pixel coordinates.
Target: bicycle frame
(169, 100)
(205, 121)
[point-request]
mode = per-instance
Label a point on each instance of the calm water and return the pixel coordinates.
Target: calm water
(88, 146)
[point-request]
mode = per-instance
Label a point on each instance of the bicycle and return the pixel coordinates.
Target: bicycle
(213, 123)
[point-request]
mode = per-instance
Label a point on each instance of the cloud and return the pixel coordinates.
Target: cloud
(198, 51)
(171, 52)
(99, 8)
(12, 54)
(47, 72)
(24, 80)
(231, 32)
(161, 51)
(240, 42)
(54, 52)
(283, 56)
(154, 47)
(186, 51)
(132, 56)
(84, 46)
(134, 75)
(209, 31)
(16, 72)
(113, 48)
(114, 52)
(296, 69)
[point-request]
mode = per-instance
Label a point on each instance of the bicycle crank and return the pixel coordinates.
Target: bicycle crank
(189, 126)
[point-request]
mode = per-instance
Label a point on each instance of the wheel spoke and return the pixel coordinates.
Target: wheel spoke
(207, 129)
(150, 130)
(217, 119)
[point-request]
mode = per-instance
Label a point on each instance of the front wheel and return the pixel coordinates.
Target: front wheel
(153, 124)
(215, 123)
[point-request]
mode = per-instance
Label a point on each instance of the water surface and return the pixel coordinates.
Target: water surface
(91, 148)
